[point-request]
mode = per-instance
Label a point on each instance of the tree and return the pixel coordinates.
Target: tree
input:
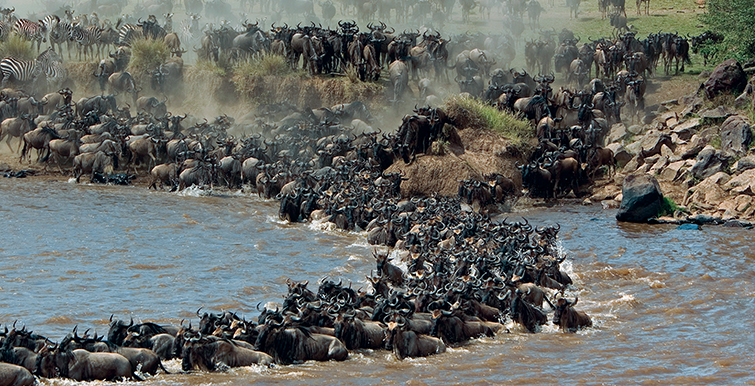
(735, 19)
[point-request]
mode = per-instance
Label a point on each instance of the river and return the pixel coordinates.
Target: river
(670, 306)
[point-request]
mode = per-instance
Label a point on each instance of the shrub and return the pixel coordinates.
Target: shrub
(18, 48)
(734, 19)
(147, 54)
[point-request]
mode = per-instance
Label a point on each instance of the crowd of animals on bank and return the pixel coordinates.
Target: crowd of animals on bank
(570, 123)
(466, 278)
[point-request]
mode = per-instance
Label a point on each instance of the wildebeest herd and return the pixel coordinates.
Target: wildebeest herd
(467, 274)
(466, 277)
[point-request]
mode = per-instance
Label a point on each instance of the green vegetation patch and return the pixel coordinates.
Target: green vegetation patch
(470, 112)
(147, 55)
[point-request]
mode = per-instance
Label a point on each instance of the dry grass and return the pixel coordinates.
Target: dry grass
(17, 48)
(82, 74)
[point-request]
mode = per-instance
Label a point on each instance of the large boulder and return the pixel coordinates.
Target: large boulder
(709, 162)
(735, 136)
(727, 77)
(641, 198)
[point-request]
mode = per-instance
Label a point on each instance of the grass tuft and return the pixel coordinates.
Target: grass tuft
(18, 48)
(470, 112)
(264, 65)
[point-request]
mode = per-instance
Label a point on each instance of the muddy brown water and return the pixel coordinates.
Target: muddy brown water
(670, 306)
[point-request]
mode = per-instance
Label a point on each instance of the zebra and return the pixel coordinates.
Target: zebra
(48, 64)
(128, 33)
(60, 33)
(32, 31)
(86, 37)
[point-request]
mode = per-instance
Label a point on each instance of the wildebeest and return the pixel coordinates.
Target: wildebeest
(407, 343)
(296, 344)
(392, 273)
(123, 82)
(91, 163)
(39, 139)
(399, 75)
(13, 375)
(81, 365)
(356, 333)
(207, 352)
(525, 313)
(152, 106)
(15, 127)
(569, 319)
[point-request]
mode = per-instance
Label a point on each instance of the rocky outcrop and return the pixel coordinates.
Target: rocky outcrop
(735, 136)
(641, 198)
(727, 77)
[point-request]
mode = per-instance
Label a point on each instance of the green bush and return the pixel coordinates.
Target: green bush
(17, 48)
(147, 54)
(734, 19)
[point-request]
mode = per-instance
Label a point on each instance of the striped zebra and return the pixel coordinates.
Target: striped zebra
(47, 64)
(86, 37)
(128, 33)
(31, 31)
(60, 33)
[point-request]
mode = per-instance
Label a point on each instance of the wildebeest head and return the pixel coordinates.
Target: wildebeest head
(118, 331)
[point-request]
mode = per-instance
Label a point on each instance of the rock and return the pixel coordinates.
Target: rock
(664, 220)
(719, 178)
(671, 171)
(743, 203)
(633, 164)
(620, 154)
(688, 227)
(738, 224)
(702, 219)
(744, 183)
(618, 132)
(669, 153)
(608, 192)
(5, 167)
(735, 136)
(586, 202)
(694, 104)
(708, 162)
(706, 195)
(609, 204)
(745, 163)
(672, 102)
(686, 129)
(642, 198)
(714, 116)
(659, 165)
(696, 144)
(650, 116)
(727, 77)
(634, 148)
(634, 129)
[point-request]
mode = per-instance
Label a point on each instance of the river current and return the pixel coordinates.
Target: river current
(670, 306)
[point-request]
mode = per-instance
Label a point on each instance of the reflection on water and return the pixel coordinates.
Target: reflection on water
(670, 306)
